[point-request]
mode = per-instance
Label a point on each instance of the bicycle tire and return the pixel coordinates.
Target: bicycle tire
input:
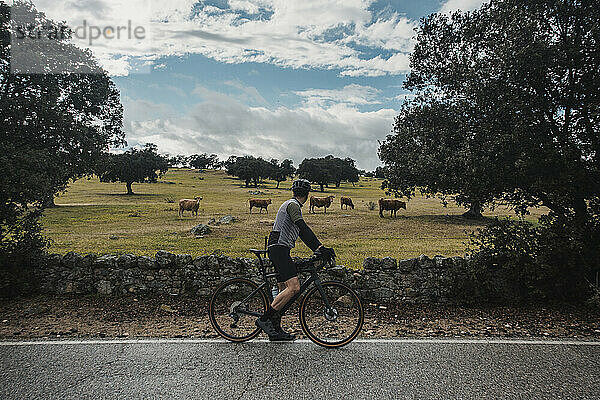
(312, 305)
(216, 311)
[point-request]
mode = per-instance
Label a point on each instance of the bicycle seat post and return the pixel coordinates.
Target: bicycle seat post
(263, 268)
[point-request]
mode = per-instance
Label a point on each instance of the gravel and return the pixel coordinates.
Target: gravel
(178, 316)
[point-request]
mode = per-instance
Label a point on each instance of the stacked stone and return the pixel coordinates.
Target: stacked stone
(166, 273)
(417, 280)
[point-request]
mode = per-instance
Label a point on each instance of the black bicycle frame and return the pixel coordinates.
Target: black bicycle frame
(314, 277)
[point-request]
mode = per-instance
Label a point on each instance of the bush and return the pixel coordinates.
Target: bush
(21, 247)
(515, 261)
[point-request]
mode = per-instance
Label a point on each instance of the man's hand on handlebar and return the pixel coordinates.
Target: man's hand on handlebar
(325, 253)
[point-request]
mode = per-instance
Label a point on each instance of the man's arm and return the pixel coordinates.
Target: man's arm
(306, 234)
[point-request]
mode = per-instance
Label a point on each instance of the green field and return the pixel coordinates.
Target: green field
(94, 217)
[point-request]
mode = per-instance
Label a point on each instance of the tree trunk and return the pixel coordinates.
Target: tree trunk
(322, 189)
(129, 190)
(474, 212)
(581, 212)
(337, 184)
(277, 187)
(584, 226)
(247, 182)
(49, 202)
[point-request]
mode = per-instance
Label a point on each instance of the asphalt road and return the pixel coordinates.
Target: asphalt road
(215, 370)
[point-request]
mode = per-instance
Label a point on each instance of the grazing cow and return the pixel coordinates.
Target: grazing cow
(189, 205)
(259, 203)
(390, 204)
(346, 201)
(320, 202)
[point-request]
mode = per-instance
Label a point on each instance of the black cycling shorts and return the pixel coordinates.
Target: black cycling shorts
(283, 263)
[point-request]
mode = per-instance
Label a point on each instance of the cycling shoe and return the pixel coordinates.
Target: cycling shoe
(267, 327)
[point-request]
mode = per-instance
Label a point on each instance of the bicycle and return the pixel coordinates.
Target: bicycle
(331, 313)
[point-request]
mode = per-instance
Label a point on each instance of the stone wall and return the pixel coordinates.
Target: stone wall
(417, 280)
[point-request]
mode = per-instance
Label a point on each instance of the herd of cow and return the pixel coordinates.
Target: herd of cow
(391, 205)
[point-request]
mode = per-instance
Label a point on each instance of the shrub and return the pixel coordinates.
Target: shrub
(515, 261)
(21, 247)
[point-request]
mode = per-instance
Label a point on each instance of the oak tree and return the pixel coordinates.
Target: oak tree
(135, 165)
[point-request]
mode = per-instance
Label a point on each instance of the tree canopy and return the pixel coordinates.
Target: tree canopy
(377, 173)
(203, 161)
(506, 107)
(144, 165)
(249, 169)
(325, 170)
(281, 172)
(53, 128)
(178, 161)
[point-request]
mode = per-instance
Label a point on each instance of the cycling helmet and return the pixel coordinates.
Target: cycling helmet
(301, 185)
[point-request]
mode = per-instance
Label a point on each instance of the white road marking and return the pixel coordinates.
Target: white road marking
(389, 341)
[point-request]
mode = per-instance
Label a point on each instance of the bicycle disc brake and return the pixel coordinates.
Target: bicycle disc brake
(330, 314)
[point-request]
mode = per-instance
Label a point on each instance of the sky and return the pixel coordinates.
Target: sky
(272, 78)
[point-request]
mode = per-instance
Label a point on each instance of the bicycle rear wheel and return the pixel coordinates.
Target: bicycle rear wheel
(333, 327)
(229, 308)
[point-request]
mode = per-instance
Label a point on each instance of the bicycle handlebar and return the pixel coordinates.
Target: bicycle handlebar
(302, 261)
(315, 258)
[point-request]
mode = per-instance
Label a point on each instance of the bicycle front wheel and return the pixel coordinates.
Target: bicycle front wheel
(234, 308)
(335, 326)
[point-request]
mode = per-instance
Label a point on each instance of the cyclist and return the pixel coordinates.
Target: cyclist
(288, 225)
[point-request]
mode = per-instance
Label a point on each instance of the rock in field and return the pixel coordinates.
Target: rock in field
(223, 220)
(200, 229)
(227, 219)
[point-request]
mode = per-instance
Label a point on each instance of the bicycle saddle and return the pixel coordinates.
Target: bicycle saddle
(257, 252)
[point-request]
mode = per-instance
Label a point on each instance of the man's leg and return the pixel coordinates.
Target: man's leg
(292, 286)
(269, 322)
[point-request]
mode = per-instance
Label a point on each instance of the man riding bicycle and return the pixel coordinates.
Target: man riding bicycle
(288, 225)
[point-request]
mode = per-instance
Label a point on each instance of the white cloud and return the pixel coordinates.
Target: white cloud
(223, 125)
(250, 93)
(141, 110)
(391, 34)
(350, 94)
(162, 87)
(242, 5)
(404, 96)
(462, 5)
(378, 66)
(291, 34)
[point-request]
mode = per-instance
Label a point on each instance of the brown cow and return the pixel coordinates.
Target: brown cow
(259, 203)
(189, 205)
(346, 201)
(390, 204)
(320, 202)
